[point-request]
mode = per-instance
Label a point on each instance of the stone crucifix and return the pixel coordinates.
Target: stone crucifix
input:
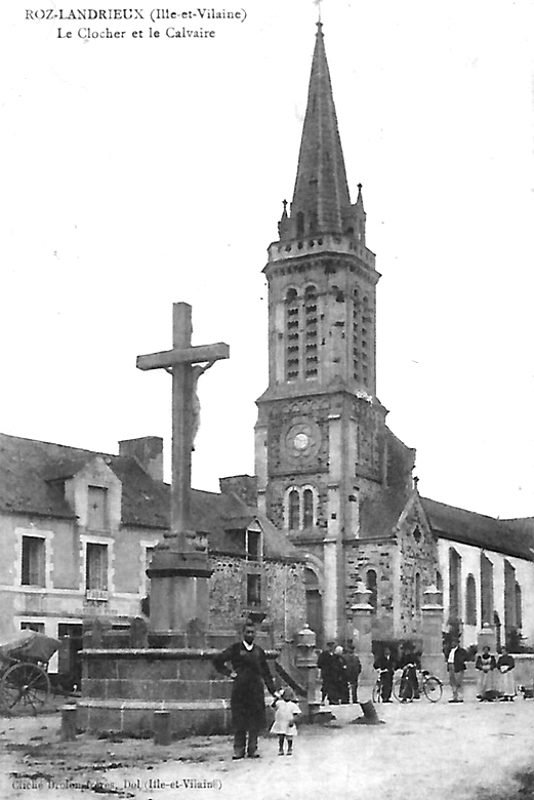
(183, 362)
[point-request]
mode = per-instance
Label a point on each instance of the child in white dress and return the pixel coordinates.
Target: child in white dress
(284, 720)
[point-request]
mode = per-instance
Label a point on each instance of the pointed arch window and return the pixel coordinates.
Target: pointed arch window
(294, 510)
(510, 606)
(470, 601)
(372, 586)
(486, 589)
(300, 507)
(307, 508)
(455, 568)
(518, 607)
(418, 599)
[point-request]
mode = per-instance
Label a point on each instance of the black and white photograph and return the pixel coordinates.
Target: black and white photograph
(266, 430)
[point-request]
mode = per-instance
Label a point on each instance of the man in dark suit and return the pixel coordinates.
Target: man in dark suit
(456, 666)
(354, 667)
(327, 664)
(249, 672)
(386, 666)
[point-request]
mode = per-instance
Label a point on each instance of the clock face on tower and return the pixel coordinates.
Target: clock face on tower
(301, 440)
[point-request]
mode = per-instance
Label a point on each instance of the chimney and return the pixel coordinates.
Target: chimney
(244, 486)
(148, 451)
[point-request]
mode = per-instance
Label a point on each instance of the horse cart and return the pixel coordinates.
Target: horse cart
(24, 682)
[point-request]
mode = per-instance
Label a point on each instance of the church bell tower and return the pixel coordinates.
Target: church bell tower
(320, 431)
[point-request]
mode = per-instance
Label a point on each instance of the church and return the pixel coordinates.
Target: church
(332, 514)
(330, 473)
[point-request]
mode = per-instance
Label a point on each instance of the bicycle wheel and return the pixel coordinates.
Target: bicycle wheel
(25, 688)
(433, 689)
(397, 685)
(377, 695)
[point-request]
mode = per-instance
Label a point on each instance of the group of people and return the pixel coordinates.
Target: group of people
(340, 672)
(246, 663)
(496, 673)
(409, 661)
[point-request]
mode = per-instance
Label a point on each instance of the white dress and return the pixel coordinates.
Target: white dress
(506, 680)
(284, 717)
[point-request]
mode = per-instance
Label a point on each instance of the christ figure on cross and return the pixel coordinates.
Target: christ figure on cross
(183, 362)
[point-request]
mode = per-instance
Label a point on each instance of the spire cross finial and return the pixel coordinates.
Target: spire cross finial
(318, 4)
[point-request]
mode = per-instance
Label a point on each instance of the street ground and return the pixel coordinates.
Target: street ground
(469, 751)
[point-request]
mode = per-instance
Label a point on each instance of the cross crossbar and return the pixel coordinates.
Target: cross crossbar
(186, 355)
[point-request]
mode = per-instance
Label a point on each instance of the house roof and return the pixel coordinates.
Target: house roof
(510, 537)
(31, 473)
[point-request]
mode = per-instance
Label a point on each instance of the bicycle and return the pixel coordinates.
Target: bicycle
(377, 690)
(428, 685)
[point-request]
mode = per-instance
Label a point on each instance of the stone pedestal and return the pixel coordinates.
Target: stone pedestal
(306, 663)
(179, 591)
(432, 626)
(361, 613)
(487, 637)
(124, 687)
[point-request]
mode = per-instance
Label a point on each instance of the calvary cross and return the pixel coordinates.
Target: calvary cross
(179, 362)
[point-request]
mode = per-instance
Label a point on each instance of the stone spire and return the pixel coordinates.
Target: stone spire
(321, 200)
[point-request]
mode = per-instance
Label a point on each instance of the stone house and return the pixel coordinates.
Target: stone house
(330, 472)
(78, 530)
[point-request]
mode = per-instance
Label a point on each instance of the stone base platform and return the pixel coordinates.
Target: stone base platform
(136, 717)
(122, 688)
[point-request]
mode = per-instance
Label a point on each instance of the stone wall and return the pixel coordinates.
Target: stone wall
(418, 551)
(283, 594)
(227, 591)
(285, 597)
(378, 555)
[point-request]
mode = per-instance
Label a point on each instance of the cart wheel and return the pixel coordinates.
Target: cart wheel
(433, 689)
(25, 688)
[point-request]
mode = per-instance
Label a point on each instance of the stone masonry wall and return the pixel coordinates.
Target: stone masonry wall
(227, 591)
(361, 556)
(283, 595)
(418, 554)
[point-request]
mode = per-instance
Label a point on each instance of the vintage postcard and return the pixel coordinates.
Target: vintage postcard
(328, 205)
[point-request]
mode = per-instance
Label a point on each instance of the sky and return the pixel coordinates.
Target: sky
(141, 171)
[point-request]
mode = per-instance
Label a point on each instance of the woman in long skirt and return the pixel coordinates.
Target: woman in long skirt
(485, 664)
(505, 666)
